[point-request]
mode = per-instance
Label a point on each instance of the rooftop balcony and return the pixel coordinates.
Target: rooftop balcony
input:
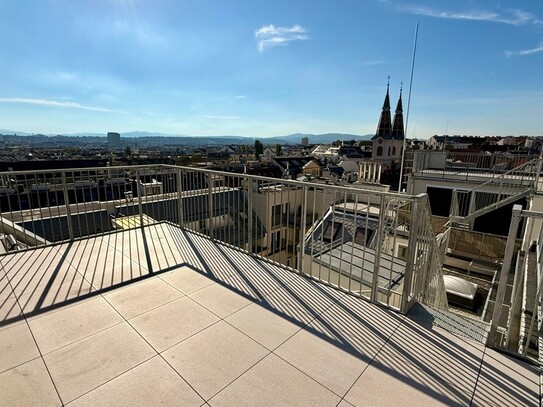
(156, 312)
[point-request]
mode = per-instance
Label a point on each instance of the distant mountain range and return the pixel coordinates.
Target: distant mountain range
(217, 140)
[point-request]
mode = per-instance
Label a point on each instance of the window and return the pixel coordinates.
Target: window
(276, 215)
(389, 150)
(331, 231)
(276, 242)
(402, 252)
(363, 236)
(379, 151)
(393, 150)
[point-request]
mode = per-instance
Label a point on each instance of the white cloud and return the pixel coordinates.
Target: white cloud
(372, 62)
(55, 103)
(241, 97)
(220, 117)
(269, 36)
(514, 17)
(524, 52)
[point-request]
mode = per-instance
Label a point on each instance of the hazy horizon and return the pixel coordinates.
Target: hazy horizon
(203, 68)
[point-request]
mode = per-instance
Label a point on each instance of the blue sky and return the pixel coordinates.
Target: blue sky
(261, 69)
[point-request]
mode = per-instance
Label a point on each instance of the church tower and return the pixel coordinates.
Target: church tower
(384, 128)
(397, 126)
(387, 143)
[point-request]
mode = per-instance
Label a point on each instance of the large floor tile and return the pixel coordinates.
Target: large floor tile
(153, 383)
(267, 326)
(10, 311)
(140, 297)
(53, 272)
(5, 287)
(17, 264)
(311, 296)
(220, 300)
(163, 253)
(65, 326)
(16, 346)
(90, 362)
(69, 292)
(339, 344)
(180, 239)
(330, 363)
(385, 384)
(250, 274)
(213, 358)
(436, 352)
(28, 385)
(186, 279)
(169, 324)
(112, 271)
(506, 381)
(210, 256)
(129, 244)
(273, 382)
(80, 251)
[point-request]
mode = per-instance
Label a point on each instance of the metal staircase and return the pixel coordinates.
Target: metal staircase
(500, 190)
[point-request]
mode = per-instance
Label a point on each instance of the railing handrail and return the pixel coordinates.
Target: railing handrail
(333, 187)
(503, 175)
(70, 213)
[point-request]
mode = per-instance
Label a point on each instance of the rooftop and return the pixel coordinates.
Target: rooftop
(160, 315)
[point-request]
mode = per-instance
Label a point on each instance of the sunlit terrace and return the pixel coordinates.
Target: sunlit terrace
(156, 313)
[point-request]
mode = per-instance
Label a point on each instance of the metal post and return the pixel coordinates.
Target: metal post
(379, 246)
(140, 203)
(538, 174)
(454, 208)
(68, 209)
(302, 231)
(515, 298)
(249, 183)
(534, 314)
(180, 209)
(504, 276)
(411, 254)
(210, 205)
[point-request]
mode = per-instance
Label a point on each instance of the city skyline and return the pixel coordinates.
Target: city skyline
(259, 70)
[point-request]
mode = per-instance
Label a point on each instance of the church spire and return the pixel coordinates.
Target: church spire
(384, 128)
(397, 127)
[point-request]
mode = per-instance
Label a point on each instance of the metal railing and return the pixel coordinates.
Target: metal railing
(466, 166)
(498, 191)
(519, 331)
(373, 244)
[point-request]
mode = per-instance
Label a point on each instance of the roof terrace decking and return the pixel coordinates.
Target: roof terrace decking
(161, 315)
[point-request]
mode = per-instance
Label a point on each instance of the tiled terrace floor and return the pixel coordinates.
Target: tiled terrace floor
(213, 325)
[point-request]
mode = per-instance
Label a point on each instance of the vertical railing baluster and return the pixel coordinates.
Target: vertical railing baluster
(411, 255)
(249, 217)
(504, 276)
(302, 231)
(140, 200)
(377, 259)
(67, 206)
(180, 208)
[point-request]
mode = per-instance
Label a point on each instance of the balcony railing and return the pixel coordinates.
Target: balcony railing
(496, 192)
(519, 330)
(466, 166)
(375, 245)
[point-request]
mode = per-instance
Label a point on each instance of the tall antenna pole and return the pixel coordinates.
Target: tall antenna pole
(408, 105)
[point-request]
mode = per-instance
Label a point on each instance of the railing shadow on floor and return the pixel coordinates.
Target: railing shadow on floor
(408, 351)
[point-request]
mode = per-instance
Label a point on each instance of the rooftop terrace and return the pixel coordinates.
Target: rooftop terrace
(160, 315)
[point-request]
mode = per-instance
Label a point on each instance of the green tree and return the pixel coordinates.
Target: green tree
(127, 151)
(259, 148)
(278, 150)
